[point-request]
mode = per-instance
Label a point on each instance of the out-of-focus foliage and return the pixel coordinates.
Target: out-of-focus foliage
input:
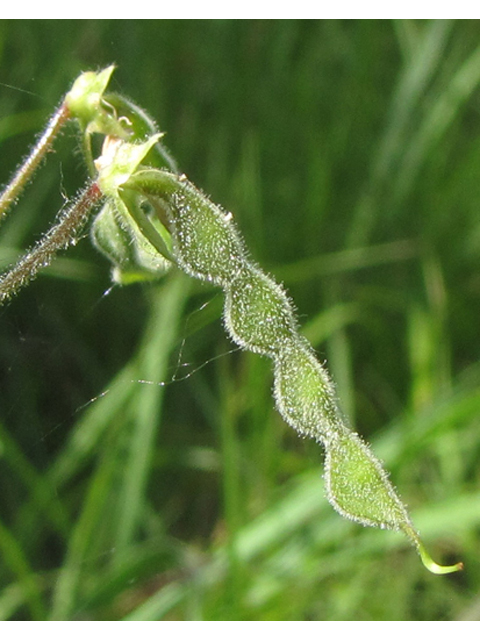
(144, 471)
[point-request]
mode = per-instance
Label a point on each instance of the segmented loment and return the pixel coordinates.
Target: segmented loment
(260, 317)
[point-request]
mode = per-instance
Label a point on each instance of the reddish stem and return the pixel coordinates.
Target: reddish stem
(58, 237)
(27, 169)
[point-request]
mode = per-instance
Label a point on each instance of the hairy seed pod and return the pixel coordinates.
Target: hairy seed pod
(206, 243)
(358, 486)
(258, 315)
(304, 393)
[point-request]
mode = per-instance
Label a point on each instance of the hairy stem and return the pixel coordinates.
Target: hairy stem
(26, 170)
(59, 237)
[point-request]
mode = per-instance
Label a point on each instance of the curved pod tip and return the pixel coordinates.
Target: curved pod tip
(427, 561)
(438, 569)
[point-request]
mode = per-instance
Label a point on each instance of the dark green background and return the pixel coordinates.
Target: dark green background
(348, 152)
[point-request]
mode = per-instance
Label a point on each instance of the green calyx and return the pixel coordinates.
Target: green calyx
(120, 239)
(119, 161)
(85, 101)
(137, 243)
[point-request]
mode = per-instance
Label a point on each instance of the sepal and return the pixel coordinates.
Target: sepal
(133, 257)
(119, 161)
(85, 102)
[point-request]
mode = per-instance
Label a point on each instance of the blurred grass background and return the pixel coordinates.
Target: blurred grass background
(348, 151)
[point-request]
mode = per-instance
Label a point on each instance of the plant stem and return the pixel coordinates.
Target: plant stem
(59, 237)
(27, 169)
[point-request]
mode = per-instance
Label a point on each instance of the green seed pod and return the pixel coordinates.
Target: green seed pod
(259, 317)
(359, 489)
(304, 393)
(358, 486)
(258, 314)
(207, 244)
